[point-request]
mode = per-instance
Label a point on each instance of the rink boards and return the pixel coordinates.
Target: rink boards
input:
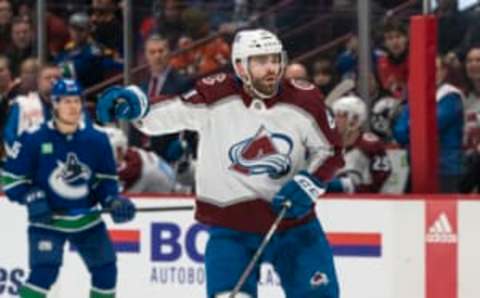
(385, 247)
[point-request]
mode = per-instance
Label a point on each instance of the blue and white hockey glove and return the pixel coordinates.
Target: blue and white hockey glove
(301, 191)
(121, 209)
(118, 103)
(39, 210)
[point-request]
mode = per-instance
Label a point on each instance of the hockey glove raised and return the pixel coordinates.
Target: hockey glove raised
(118, 103)
(121, 209)
(39, 210)
(301, 191)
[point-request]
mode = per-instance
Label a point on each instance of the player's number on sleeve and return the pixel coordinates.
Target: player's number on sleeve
(381, 163)
(214, 79)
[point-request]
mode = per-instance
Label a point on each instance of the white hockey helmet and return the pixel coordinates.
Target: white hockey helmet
(117, 138)
(382, 114)
(354, 107)
(248, 43)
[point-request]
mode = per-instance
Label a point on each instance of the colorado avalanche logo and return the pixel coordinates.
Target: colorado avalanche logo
(319, 279)
(265, 153)
(70, 179)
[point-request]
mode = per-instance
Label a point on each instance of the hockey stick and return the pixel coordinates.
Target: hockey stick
(340, 90)
(260, 249)
(154, 209)
(76, 212)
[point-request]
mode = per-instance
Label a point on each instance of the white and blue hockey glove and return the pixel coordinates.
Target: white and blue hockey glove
(39, 210)
(122, 209)
(118, 103)
(301, 191)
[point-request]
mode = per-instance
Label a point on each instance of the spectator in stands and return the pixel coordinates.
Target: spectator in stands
(24, 10)
(33, 109)
(8, 84)
(471, 179)
(28, 76)
(57, 34)
(22, 43)
(162, 79)
(452, 26)
(346, 61)
(205, 58)
(166, 20)
(107, 26)
(83, 58)
(472, 100)
(324, 75)
(450, 125)
(7, 91)
(5, 24)
(296, 71)
(392, 66)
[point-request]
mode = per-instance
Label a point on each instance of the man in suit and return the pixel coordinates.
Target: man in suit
(162, 79)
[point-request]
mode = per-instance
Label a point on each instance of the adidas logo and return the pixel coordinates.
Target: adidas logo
(441, 231)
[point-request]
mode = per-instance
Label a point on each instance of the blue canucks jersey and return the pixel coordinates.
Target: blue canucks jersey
(77, 171)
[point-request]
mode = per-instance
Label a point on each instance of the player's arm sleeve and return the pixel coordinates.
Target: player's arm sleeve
(105, 185)
(11, 125)
(174, 114)
(324, 147)
(18, 171)
(449, 110)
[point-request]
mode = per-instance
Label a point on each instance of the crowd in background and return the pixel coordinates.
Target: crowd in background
(85, 42)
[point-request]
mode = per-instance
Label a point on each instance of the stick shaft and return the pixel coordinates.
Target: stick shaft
(156, 209)
(259, 251)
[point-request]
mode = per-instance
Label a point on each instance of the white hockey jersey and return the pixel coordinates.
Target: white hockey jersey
(367, 165)
(144, 171)
(249, 147)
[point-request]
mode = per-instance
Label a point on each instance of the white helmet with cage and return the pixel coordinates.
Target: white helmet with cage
(354, 107)
(248, 43)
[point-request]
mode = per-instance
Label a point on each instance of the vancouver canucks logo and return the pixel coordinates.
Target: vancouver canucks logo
(264, 153)
(70, 178)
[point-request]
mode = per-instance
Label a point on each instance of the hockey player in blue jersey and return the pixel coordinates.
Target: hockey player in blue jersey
(256, 131)
(61, 171)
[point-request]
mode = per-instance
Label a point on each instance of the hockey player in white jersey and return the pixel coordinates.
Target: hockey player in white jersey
(61, 171)
(140, 170)
(367, 165)
(256, 130)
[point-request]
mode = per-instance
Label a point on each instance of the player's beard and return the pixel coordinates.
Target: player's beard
(267, 85)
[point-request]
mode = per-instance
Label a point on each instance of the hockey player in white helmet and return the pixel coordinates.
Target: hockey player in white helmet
(367, 165)
(264, 46)
(255, 130)
(140, 170)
